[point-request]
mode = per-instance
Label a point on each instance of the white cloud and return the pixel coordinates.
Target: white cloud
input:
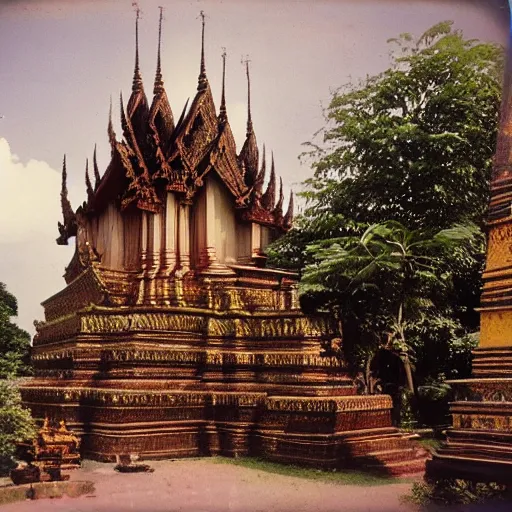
(30, 197)
(31, 263)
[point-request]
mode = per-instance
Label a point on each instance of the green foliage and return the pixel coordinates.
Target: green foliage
(16, 423)
(345, 477)
(455, 492)
(404, 144)
(410, 151)
(14, 342)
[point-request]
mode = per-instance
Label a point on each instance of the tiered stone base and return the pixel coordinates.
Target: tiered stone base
(479, 444)
(228, 366)
(323, 432)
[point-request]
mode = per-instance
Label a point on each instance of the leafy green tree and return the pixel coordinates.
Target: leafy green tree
(16, 423)
(14, 342)
(404, 270)
(415, 143)
(412, 145)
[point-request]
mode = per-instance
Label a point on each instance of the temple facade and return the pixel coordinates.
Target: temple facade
(171, 338)
(479, 443)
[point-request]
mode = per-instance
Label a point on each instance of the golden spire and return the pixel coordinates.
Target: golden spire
(88, 186)
(288, 217)
(137, 79)
(223, 116)
(159, 83)
(249, 117)
(203, 81)
(97, 176)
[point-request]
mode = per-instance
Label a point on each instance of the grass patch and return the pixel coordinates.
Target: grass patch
(345, 477)
(429, 443)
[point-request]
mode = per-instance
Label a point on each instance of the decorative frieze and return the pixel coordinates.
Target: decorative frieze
(320, 404)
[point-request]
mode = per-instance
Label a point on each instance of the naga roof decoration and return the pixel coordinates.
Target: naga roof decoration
(88, 185)
(269, 197)
(111, 133)
(278, 210)
(260, 178)
(68, 229)
(156, 152)
(97, 177)
(288, 216)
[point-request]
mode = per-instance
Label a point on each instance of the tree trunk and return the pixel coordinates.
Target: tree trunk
(408, 372)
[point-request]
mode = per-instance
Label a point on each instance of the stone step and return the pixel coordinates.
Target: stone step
(399, 454)
(401, 468)
(376, 444)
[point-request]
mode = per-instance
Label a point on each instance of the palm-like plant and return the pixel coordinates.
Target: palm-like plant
(402, 266)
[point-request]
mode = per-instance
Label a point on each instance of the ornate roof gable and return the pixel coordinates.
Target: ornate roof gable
(222, 156)
(196, 134)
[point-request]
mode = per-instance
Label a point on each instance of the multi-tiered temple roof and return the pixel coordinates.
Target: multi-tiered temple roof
(156, 155)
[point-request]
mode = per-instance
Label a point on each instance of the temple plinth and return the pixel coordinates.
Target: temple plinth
(479, 443)
(171, 337)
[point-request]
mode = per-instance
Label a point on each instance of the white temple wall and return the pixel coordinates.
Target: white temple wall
(225, 231)
(132, 234)
(110, 238)
(170, 232)
(244, 239)
(197, 228)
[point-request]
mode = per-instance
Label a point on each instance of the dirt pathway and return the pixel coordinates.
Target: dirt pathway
(207, 486)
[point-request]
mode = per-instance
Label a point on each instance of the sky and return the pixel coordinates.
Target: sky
(61, 60)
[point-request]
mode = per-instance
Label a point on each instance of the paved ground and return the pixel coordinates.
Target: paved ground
(207, 486)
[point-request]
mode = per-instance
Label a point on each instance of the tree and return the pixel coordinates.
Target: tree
(16, 423)
(412, 145)
(14, 342)
(404, 145)
(408, 264)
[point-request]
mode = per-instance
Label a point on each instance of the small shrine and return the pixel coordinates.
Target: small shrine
(53, 450)
(171, 337)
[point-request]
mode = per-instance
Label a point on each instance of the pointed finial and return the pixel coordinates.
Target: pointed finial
(202, 74)
(159, 83)
(97, 176)
(111, 133)
(249, 117)
(137, 79)
(88, 186)
(223, 116)
(269, 197)
(288, 217)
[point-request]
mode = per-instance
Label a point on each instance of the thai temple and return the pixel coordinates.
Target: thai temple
(171, 337)
(479, 443)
